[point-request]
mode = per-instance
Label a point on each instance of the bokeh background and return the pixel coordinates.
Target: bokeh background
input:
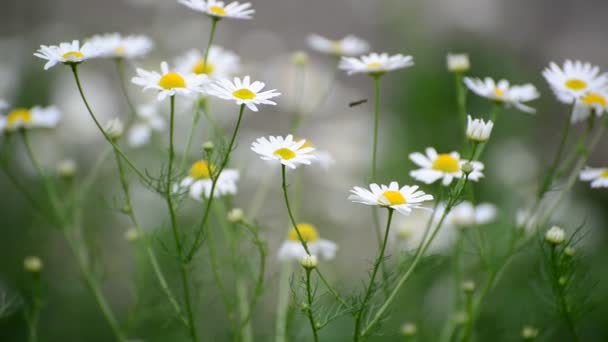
(513, 39)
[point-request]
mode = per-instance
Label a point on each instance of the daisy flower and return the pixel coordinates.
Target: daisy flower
(324, 158)
(292, 248)
(597, 176)
(114, 45)
(593, 101)
(466, 214)
(478, 130)
(148, 120)
(199, 181)
(285, 150)
(445, 166)
(408, 232)
(402, 199)
(36, 117)
(170, 83)
(66, 53)
(375, 64)
(243, 92)
(574, 79)
(503, 93)
(347, 46)
(219, 10)
(221, 63)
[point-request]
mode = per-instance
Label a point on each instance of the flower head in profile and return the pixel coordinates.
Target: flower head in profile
(292, 248)
(347, 46)
(323, 157)
(597, 176)
(66, 53)
(444, 166)
(35, 117)
(458, 62)
(243, 92)
(170, 83)
(147, 121)
(219, 9)
(574, 79)
(403, 199)
(221, 63)
(284, 150)
(478, 130)
(199, 181)
(114, 45)
(503, 93)
(375, 64)
(466, 214)
(595, 101)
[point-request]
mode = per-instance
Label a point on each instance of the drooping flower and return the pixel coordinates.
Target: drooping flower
(148, 120)
(347, 46)
(243, 92)
(199, 181)
(284, 150)
(575, 79)
(375, 64)
(445, 166)
(66, 53)
(292, 248)
(219, 10)
(221, 63)
(114, 45)
(36, 117)
(170, 83)
(478, 130)
(403, 199)
(597, 176)
(503, 93)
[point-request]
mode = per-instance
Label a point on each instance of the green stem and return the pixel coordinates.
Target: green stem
(201, 228)
(184, 271)
(120, 69)
(214, 22)
(299, 92)
(553, 168)
(33, 317)
(193, 125)
(561, 295)
(330, 86)
(283, 303)
(309, 311)
(461, 98)
(468, 330)
(375, 132)
(368, 292)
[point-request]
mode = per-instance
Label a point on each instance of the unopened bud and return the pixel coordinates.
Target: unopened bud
(236, 215)
(467, 168)
(114, 128)
(468, 286)
(529, 333)
(66, 168)
(309, 262)
(32, 264)
(409, 329)
(458, 62)
(300, 58)
(208, 146)
(555, 235)
(569, 251)
(132, 234)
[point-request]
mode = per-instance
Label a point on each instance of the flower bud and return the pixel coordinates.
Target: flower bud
(300, 58)
(569, 251)
(467, 168)
(236, 215)
(458, 62)
(468, 286)
(208, 146)
(114, 128)
(478, 130)
(529, 333)
(309, 262)
(32, 264)
(555, 235)
(409, 329)
(132, 234)
(66, 168)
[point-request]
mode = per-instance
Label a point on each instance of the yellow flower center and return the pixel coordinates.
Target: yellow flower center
(19, 115)
(307, 144)
(217, 10)
(120, 50)
(202, 170)
(394, 197)
(446, 163)
(337, 47)
(576, 84)
(285, 153)
(374, 65)
(202, 68)
(74, 54)
(499, 92)
(172, 80)
(594, 99)
(244, 94)
(307, 231)
(604, 174)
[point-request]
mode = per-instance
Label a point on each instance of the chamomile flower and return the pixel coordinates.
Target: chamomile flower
(284, 150)
(324, 158)
(66, 53)
(148, 120)
(478, 130)
(445, 166)
(347, 46)
(593, 101)
(170, 83)
(574, 79)
(458, 62)
(597, 176)
(36, 117)
(219, 10)
(466, 214)
(292, 248)
(221, 63)
(199, 181)
(408, 232)
(402, 199)
(243, 92)
(503, 93)
(114, 45)
(375, 64)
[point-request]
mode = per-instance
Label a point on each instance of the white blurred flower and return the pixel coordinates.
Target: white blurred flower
(458, 62)
(32, 264)
(402, 199)
(114, 45)
(570, 82)
(66, 168)
(479, 130)
(199, 181)
(148, 120)
(597, 176)
(347, 46)
(243, 92)
(292, 248)
(285, 150)
(325, 159)
(555, 235)
(221, 63)
(408, 231)
(375, 64)
(66, 53)
(465, 214)
(170, 83)
(593, 101)
(218, 9)
(501, 92)
(36, 117)
(445, 166)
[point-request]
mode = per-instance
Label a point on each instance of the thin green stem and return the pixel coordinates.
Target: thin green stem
(368, 292)
(193, 125)
(330, 87)
(184, 271)
(120, 69)
(33, 317)
(309, 312)
(561, 295)
(280, 334)
(461, 98)
(549, 178)
(375, 131)
(214, 22)
(468, 329)
(298, 91)
(201, 228)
